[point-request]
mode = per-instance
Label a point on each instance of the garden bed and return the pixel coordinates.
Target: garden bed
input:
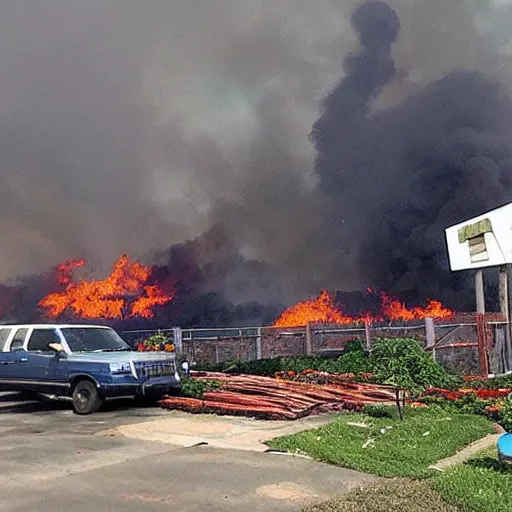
(386, 446)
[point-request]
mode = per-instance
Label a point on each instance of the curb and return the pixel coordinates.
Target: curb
(466, 453)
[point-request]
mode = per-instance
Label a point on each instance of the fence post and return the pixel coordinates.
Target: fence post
(479, 291)
(309, 341)
(430, 335)
(481, 329)
(430, 332)
(178, 341)
(504, 295)
(368, 334)
(258, 344)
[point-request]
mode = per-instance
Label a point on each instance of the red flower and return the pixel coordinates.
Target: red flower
(418, 404)
(493, 408)
(471, 378)
(493, 393)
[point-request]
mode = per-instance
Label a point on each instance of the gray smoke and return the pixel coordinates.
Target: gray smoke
(129, 126)
(398, 177)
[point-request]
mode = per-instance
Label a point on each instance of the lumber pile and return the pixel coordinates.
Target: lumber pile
(276, 399)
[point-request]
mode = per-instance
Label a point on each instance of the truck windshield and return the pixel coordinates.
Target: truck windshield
(93, 339)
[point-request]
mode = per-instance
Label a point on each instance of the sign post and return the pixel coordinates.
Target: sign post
(479, 291)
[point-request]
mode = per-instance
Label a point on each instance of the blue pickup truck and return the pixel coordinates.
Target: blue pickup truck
(86, 364)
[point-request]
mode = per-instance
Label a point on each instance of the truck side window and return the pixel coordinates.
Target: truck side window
(4, 334)
(40, 338)
(19, 338)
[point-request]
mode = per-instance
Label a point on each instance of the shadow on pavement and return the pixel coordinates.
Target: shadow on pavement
(33, 403)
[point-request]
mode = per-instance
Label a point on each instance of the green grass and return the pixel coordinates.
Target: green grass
(405, 449)
(393, 495)
(480, 485)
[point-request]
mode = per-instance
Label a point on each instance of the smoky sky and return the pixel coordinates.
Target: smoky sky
(129, 126)
(398, 177)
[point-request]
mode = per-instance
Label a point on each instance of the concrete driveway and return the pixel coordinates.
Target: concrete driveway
(51, 459)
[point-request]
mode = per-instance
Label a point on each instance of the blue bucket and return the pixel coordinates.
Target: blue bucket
(504, 446)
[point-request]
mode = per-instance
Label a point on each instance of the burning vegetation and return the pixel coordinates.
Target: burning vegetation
(125, 293)
(323, 310)
(135, 291)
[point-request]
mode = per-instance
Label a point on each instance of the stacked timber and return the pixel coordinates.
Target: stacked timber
(276, 399)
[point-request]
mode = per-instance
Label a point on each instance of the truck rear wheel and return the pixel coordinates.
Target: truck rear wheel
(86, 399)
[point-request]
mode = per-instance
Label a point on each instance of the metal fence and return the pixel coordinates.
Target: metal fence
(462, 347)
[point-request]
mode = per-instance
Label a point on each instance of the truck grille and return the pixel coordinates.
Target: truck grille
(154, 369)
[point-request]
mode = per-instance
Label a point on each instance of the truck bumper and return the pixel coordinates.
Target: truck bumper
(160, 386)
(150, 387)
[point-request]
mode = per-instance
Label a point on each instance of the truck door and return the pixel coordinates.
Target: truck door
(46, 368)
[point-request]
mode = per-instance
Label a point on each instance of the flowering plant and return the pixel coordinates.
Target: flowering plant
(315, 377)
(159, 342)
(494, 403)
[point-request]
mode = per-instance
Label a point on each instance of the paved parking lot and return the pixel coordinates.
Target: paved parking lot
(52, 459)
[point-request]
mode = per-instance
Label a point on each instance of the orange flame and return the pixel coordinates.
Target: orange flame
(107, 298)
(320, 310)
(395, 310)
(323, 310)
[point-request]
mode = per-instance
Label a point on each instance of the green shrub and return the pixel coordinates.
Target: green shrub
(403, 362)
(505, 415)
(471, 404)
(269, 367)
(354, 362)
(197, 388)
(353, 346)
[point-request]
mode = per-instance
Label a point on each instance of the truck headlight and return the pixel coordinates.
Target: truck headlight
(119, 368)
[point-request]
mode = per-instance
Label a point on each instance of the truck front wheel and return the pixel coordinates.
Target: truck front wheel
(86, 399)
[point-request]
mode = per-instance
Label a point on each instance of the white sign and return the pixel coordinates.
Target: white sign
(484, 241)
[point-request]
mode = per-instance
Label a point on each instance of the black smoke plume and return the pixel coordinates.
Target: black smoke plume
(397, 178)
